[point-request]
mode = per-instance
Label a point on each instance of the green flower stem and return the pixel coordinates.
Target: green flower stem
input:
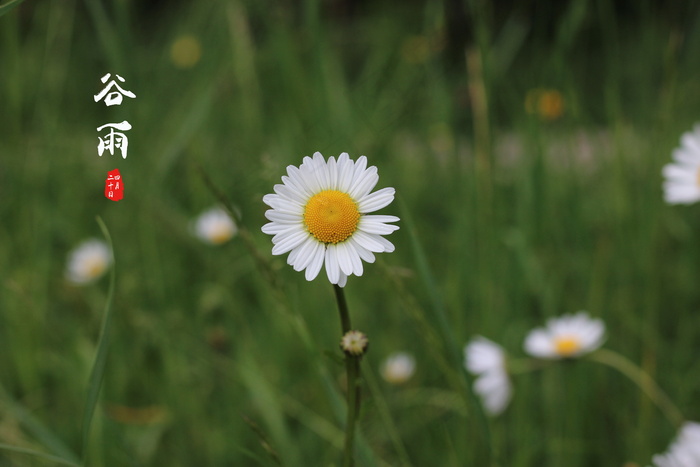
(352, 370)
(641, 379)
(343, 308)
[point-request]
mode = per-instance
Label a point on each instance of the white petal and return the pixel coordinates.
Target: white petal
(270, 199)
(388, 246)
(364, 183)
(363, 252)
(681, 194)
(691, 141)
(332, 268)
(539, 344)
(495, 389)
(355, 259)
(342, 280)
(308, 173)
(314, 267)
(283, 217)
(305, 254)
(482, 355)
(346, 169)
(299, 181)
(559, 326)
(678, 173)
(592, 335)
(284, 205)
(380, 218)
(321, 171)
(290, 230)
(289, 242)
(291, 192)
(332, 174)
(293, 255)
(273, 228)
(378, 228)
(377, 200)
(360, 166)
(685, 157)
(344, 261)
(368, 241)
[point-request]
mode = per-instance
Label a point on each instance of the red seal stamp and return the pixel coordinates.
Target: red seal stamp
(114, 185)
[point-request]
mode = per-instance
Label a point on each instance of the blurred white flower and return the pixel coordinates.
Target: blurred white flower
(215, 226)
(684, 450)
(88, 261)
(682, 184)
(320, 215)
(398, 368)
(571, 335)
(486, 359)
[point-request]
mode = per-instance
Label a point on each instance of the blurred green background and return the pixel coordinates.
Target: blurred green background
(525, 141)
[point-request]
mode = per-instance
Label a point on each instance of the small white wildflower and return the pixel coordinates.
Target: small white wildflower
(682, 177)
(215, 226)
(569, 336)
(398, 368)
(684, 450)
(486, 359)
(88, 261)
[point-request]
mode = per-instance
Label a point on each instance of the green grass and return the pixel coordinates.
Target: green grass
(230, 368)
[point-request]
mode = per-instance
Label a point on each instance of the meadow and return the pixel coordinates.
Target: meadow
(525, 144)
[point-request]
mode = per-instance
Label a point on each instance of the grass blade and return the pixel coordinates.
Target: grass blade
(7, 7)
(40, 432)
(42, 455)
(98, 366)
(440, 312)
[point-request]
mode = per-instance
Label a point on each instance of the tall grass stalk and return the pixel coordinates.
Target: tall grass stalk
(642, 379)
(8, 6)
(98, 367)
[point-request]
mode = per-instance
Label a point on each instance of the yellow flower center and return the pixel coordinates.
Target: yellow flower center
(95, 267)
(566, 345)
(547, 103)
(331, 216)
(186, 52)
(220, 234)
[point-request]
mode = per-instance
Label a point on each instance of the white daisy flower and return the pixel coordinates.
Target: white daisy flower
(486, 359)
(398, 368)
(569, 336)
(320, 215)
(682, 184)
(88, 261)
(685, 449)
(215, 226)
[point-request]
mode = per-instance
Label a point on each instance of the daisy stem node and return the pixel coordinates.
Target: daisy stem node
(352, 369)
(642, 379)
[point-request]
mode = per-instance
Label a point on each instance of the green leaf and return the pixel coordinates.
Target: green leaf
(42, 434)
(7, 7)
(42, 455)
(98, 366)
